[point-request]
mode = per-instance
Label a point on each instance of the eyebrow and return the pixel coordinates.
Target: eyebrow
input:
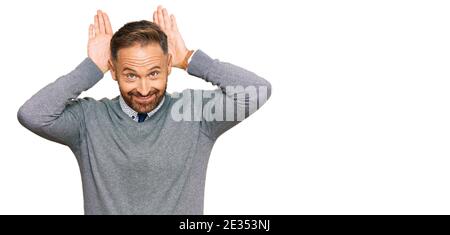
(154, 67)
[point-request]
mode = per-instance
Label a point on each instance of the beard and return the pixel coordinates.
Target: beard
(131, 99)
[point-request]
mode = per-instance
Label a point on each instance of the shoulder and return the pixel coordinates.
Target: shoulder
(89, 103)
(198, 94)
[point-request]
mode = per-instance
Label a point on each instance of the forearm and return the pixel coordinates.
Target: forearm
(245, 89)
(48, 104)
(240, 90)
(223, 74)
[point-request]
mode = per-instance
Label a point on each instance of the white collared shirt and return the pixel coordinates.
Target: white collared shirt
(133, 114)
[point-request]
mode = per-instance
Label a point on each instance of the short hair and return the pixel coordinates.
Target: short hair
(141, 32)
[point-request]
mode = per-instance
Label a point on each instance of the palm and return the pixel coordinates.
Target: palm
(175, 42)
(100, 35)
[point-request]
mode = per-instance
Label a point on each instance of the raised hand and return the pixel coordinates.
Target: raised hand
(175, 42)
(100, 34)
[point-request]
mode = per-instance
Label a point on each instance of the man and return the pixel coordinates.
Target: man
(145, 151)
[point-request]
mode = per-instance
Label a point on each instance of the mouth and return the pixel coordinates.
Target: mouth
(145, 99)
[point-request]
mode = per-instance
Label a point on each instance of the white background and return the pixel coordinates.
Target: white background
(358, 121)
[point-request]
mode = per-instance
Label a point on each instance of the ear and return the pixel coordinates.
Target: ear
(169, 63)
(112, 69)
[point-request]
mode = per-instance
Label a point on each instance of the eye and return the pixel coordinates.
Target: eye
(131, 76)
(154, 73)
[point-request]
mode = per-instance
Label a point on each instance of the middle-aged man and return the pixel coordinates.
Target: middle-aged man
(144, 151)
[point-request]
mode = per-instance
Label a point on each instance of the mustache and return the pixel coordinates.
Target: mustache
(137, 93)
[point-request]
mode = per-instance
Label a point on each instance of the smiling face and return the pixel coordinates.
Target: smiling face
(141, 72)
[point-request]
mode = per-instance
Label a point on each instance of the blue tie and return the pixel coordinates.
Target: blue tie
(141, 117)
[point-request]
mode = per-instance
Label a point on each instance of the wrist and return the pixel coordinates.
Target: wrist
(103, 68)
(184, 64)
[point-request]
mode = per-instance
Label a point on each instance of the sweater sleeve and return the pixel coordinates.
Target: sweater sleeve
(239, 95)
(55, 112)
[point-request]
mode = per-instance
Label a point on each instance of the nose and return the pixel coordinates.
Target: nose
(144, 87)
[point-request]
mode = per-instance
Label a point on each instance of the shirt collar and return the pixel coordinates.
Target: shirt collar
(132, 113)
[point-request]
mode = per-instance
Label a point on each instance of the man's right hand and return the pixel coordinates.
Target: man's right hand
(100, 34)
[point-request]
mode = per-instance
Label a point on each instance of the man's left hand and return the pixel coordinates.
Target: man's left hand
(175, 42)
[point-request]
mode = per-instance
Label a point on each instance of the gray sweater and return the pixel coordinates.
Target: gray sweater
(154, 167)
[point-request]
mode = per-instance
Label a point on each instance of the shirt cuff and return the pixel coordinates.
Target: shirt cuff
(190, 58)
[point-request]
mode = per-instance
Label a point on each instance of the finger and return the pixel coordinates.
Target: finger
(101, 22)
(161, 18)
(166, 17)
(91, 31)
(155, 18)
(173, 22)
(96, 29)
(108, 27)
